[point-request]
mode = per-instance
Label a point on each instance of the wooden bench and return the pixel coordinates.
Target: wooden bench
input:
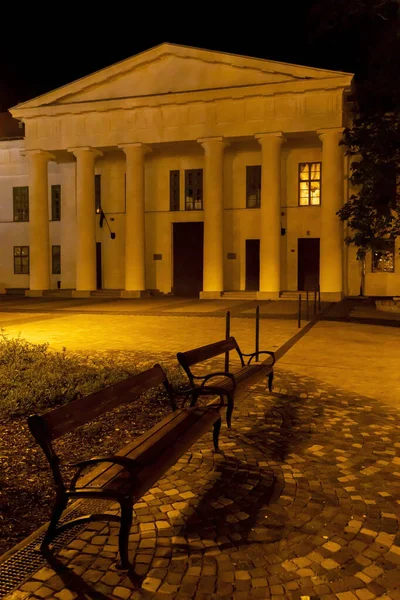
(130, 473)
(224, 382)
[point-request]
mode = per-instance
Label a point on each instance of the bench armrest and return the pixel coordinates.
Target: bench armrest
(253, 354)
(200, 391)
(125, 462)
(219, 374)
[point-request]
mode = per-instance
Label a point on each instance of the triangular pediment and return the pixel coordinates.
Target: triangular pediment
(169, 69)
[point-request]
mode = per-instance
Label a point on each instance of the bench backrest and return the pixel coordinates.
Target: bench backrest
(198, 355)
(67, 418)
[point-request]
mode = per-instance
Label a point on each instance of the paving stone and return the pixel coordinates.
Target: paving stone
(122, 592)
(66, 595)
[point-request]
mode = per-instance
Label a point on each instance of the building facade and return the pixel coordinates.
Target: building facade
(186, 171)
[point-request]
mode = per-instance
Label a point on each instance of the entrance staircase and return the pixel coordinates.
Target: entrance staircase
(240, 295)
(294, 295)
(106, 294)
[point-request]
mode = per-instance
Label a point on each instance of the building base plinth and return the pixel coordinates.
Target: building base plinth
(210, 295)
(135, 294)
(34, 293)
(331, 296)
(267, 295)
(81, 293)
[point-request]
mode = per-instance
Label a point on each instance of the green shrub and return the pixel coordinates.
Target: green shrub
(34, 378)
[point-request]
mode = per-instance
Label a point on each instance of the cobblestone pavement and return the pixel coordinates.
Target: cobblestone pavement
(303, 502)
(148, 333)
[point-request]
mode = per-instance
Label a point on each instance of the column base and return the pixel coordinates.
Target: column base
(135, 294)
(210, 295)
(332, 296)
(34, 293)
(267, 295)
(81, 293)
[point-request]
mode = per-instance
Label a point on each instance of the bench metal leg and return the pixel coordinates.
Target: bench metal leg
(217, 429)
(124, 530)
(229, 410)
(270, 380)
(60, 506)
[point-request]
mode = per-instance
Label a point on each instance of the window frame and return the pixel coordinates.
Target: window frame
(198, 173)
(56, 256)
(299, 181)
(258, 191)
(15, 200)
(21, 256)
(55, 187)
(384, 241)
(174, 190)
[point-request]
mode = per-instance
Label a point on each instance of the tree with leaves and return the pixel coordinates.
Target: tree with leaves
(370, 30)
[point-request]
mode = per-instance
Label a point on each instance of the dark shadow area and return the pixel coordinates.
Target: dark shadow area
(287, 424)
(75, 583)
(233, 496)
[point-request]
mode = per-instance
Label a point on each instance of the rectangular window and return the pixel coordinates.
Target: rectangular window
(21, 203)
(194, 189)
(21, 260)
(56, 202)
(56, 260)
(253, 186)
(309, 184)
(97, 192)
(174, 190)
(383, 256)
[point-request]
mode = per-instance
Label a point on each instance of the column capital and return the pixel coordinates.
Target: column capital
(330, 131)
(260, 137)
(39, 153)
(213, 140)
(79, 149)
(135, 146)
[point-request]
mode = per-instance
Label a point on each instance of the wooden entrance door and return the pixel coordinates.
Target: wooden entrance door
(308, 263)
(99, 280)
(252, 264)
(188, 258)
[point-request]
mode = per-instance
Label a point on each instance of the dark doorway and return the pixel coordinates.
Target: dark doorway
(252, 264)
(188, 258)
(308, 263)
(99, 282)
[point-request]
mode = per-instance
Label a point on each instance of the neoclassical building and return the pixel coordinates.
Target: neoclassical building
(187, 171)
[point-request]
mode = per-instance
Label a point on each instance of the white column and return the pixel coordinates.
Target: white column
(331, 245)
(86, 221)
(270, 215)
(39, 243)
(213, 255)
(135, 245)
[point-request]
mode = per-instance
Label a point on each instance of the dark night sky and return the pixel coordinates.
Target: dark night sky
(40, 54)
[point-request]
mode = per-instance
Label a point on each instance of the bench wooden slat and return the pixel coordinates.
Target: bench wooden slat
(191, 357)
(78, 412)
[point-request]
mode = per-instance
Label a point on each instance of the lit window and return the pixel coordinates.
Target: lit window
(21, 203)
(56, 202)
(194, 189)
(56, 260)
(383, 256)
(174, 190)
(21, 260)
(309, 184)
(253, 186)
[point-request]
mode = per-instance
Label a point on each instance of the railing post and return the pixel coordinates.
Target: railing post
(227, 335)
(257, 331)
(307, 311)
(315, 301)
(299, 315)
